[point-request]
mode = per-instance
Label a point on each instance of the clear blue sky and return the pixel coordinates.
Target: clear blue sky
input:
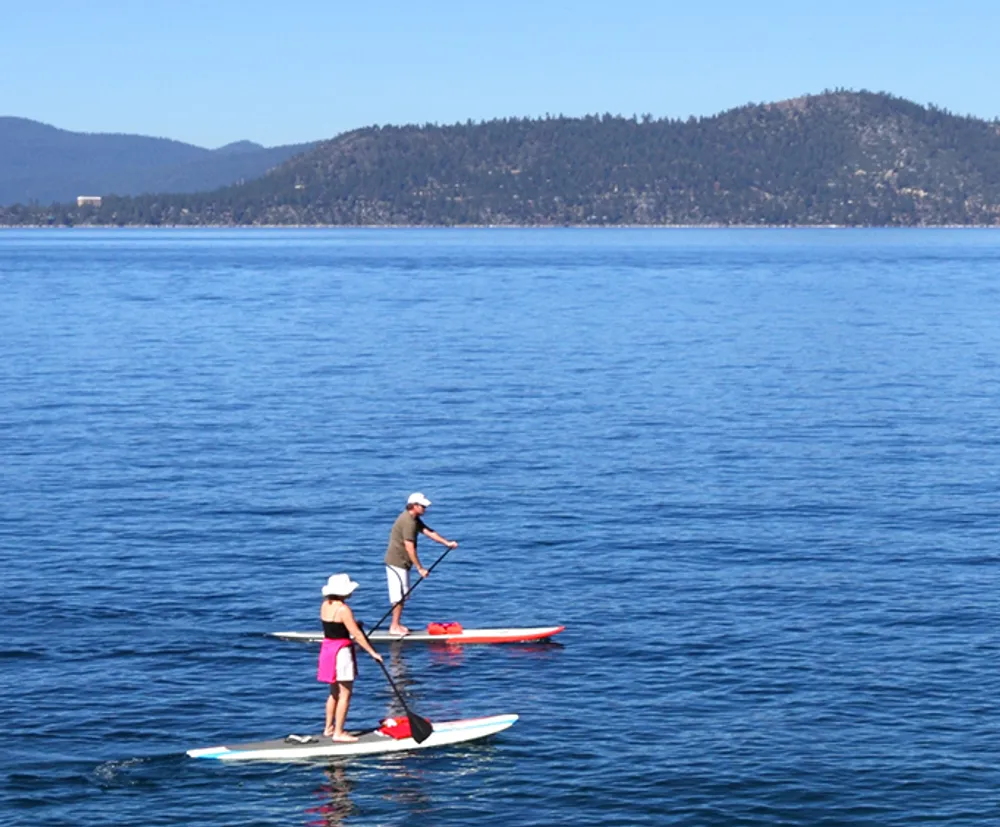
(214, 71)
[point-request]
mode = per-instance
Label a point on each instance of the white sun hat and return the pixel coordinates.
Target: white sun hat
(339, 585)
(416, 498)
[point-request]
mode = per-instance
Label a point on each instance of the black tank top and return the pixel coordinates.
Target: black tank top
(334, 630)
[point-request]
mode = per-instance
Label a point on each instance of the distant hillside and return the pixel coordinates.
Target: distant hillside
(39, 163)
(847, 158)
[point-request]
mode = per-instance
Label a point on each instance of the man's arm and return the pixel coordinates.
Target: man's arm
(437, 538)
(411, 552)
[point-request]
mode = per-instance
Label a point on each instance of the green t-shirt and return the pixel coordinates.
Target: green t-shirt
(406, 527)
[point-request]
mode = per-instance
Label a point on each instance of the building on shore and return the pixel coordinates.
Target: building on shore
(88, 200)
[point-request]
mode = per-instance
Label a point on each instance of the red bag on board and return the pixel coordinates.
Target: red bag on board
(395, 727)
(449, 627)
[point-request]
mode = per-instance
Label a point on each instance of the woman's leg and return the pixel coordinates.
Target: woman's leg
(340, 714)
(331, 706)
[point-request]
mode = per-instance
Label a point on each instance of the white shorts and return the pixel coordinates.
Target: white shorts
(399, 583)
(345, 665)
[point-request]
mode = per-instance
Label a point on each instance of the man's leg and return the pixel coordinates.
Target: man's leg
(396, 627)
(399, 586)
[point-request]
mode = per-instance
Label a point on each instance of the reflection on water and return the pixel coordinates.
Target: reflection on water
(336, 799)
(400, 676)
(407, 786)
(407, 781)
(536, 651)
(447, 653)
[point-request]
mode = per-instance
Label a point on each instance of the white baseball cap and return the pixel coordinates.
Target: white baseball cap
(339, 585)
(416, 498)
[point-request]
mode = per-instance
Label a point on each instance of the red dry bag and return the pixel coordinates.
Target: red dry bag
(395, 727)
(449, 627)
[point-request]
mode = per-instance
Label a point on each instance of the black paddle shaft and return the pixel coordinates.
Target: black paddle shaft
(381, 620)
(420, 728)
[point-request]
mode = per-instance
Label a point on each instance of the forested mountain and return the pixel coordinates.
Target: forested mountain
(42, 164)
(848, 158)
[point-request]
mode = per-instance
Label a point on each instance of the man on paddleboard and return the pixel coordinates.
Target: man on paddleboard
(401, 555)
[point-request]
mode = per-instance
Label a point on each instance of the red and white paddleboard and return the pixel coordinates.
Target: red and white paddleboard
(433, 635)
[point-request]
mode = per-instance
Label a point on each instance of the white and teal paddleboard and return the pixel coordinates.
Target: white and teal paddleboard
(301, 747)
(523, 635)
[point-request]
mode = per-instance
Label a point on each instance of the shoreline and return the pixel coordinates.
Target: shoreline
(500, 227)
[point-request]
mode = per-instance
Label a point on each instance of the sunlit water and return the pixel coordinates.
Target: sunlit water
(755, 473)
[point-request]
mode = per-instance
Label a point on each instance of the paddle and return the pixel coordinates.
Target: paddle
(381, 620)
(420, 728)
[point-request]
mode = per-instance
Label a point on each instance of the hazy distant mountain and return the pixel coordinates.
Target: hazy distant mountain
(239, 147)
(43, 164)
(847, 158)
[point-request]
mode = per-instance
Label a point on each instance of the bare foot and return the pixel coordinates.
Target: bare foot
(399, 630)
(344, 738)
(328, 733)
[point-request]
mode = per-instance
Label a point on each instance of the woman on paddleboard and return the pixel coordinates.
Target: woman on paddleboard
(338, 665)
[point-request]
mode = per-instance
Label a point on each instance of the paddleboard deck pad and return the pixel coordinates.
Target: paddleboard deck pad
(526, 635)
(302, 747)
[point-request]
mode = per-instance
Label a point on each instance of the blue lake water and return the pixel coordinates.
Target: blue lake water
(754, 472)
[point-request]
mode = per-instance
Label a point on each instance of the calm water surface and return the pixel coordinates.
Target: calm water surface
(755, 473)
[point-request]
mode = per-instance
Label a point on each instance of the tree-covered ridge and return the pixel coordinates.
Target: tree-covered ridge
(842, 158)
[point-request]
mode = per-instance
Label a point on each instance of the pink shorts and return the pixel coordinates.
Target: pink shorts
(336, 661)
